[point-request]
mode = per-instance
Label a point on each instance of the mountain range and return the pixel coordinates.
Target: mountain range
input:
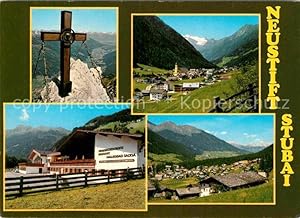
(249, 148)
(157, 44)
(184, 140)
(121, 121)
(22, 139)
(102, 47)
(240, 48)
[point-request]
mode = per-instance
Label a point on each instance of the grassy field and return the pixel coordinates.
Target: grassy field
(148, 70)
(216, 154)
(178, 183)
(133, 127)
(136, 127)
(164, 158)
(140, 86)
(123, 195)
(200, 100)
(258, 194)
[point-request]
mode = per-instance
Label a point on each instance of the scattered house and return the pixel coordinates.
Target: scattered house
(263, 174)
(178, 88)
(137, 96)
(168, 167)
(157, 94)
(234, 181)
(151, 189)
(172, 78)
(39, 162)
(205, 190)
(188, 192)
(146, 92)
(162, 86)
(158, 177)
(190, 86)
(89, 150)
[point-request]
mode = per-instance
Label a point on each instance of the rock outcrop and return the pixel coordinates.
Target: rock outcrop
(86, 86)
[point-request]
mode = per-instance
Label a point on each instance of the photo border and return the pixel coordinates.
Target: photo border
(116, 8)
(231, 203)
(193, 14)
(71, 209)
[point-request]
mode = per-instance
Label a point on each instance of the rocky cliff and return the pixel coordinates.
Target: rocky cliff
(86, 86)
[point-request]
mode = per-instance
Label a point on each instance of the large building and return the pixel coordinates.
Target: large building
(89, 150)
(233, 181)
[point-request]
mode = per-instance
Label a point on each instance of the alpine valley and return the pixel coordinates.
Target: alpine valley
(169, 143)
(170, 68)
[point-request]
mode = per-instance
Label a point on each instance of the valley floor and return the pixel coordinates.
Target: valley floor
(200, 100)
(125, 195)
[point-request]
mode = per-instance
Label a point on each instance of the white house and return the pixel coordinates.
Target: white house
(88, 150)
(39, 162)
(190, 86)
(157, 94)
(118, 151)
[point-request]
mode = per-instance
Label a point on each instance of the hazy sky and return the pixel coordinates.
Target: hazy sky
(240, 129)
(215, 27)
(83, 20)
(66, 116)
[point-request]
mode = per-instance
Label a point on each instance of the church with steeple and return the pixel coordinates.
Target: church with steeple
(175, 72)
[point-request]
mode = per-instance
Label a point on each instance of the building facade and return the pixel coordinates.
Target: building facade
(89, 151)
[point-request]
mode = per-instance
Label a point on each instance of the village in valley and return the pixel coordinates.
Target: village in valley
(204, 180)
(153, 84)
(172, 72)
(192, 159)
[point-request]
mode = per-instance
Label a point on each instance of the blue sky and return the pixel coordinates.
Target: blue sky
(215, 27)
(240, 129)
(66, 116)
(83, 20)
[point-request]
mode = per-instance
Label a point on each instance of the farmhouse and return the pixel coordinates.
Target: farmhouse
(157, 94)
(39, 161)
(87, 150)
(188, 192)
(190, 86)
(233, 181)
(162, 86)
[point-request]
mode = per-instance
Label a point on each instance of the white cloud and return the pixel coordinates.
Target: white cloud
(199, 40)
(24, 115)
(260, 142)
(249, 135)
(223, 133)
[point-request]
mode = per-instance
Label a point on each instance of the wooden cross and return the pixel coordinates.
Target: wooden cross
(66, 37)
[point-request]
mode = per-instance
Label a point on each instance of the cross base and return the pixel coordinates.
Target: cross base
(65, 88)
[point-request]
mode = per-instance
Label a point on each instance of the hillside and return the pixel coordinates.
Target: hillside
(195, 140)
(22, 139)
(121, 121)
(128, 195)
(241, 44)
(160, 145)
(157, 44)
(258, 194)
(101, 45)
(266, 155)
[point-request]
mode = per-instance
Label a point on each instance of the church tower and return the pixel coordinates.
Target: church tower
(175, 70)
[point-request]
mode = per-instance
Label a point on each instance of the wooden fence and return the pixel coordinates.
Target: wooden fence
(246, 99)
(18, 186)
